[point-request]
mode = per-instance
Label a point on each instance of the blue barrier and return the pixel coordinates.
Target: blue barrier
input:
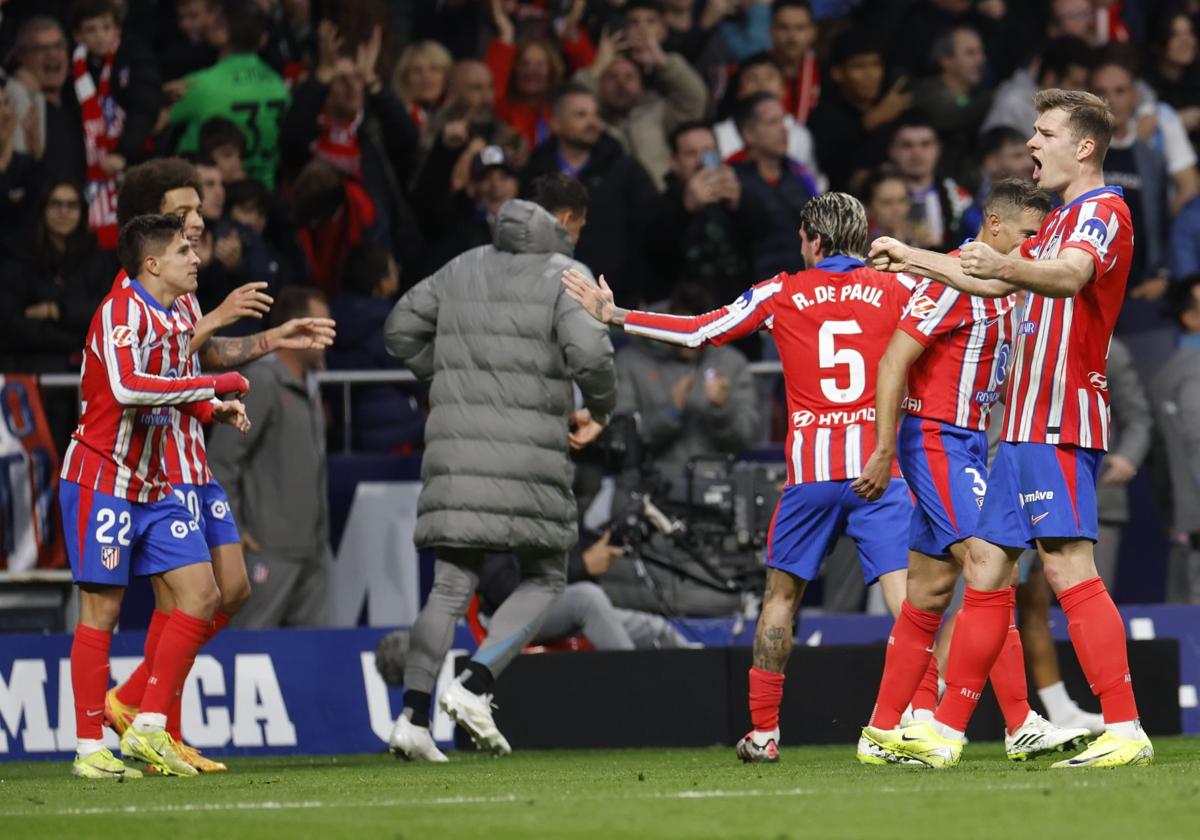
(317, 692)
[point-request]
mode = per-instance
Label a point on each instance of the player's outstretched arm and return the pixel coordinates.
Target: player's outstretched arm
(595, 298)
(729, 323)
(297, 334)
(1061, 277)
(248, 301)
(229, 412)
(892, 255)
(890, 385)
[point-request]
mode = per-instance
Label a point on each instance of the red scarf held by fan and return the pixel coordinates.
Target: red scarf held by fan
(338, 144)
(103, 121)
(326, 247)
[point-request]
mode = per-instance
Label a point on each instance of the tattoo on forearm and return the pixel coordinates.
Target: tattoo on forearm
(232, 352)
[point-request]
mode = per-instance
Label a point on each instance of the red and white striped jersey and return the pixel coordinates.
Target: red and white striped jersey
(967, 341)
(831, 325)
(1058, 390)
(184, 454)
(135, 352)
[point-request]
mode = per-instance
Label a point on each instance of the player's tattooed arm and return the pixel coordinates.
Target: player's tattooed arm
(222, 353)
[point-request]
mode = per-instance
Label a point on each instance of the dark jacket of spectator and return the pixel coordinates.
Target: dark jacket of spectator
(137, 88)
(21, 185)
(769, 215)
(622, 201)
(387, 140)
(75, 282)
(450, 220)
(385, 417)
(503, 344)
(843, 145)
(705, 247)
(1184, 254)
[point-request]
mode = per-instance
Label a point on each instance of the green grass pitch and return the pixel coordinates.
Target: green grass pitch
(818, 792)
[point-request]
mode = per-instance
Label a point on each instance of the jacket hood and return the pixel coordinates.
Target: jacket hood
(523, 227)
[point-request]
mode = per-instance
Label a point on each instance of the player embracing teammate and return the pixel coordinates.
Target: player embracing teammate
(952, 352)
(1042, 489)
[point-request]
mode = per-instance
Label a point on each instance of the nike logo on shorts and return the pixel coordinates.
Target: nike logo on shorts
(1033, 520)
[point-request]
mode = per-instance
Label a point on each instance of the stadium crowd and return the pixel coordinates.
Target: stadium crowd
(355, 148)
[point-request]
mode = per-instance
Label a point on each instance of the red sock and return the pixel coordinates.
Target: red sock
(1098, 634)
(907, 659)
(175, 715)
(177, 648)
(978, 637)
(130, 692)
(766, 693)
(89, 679)
(1008, 679)
(926, 696)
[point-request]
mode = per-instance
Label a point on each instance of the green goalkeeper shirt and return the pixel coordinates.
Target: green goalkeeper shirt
(245, 89)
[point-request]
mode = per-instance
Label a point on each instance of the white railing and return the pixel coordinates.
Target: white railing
(346, 379)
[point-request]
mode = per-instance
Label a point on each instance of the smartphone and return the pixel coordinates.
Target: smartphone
(711, 159)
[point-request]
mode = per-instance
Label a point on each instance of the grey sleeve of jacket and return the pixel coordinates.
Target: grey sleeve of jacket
(733, 424)
(682, 89)
(410, 329)
(588, 354)
(1130, 406)
(229, 450)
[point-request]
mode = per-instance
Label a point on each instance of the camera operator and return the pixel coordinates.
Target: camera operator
(502, 344)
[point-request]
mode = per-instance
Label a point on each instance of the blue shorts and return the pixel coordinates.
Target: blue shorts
(209, 506)
(1040, 491)
(110, 540)
(946, 469)
(810, 517)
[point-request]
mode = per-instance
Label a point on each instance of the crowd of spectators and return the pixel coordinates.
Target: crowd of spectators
(357, 147)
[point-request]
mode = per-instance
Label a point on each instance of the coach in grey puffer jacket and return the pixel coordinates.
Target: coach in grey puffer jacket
(502, 343)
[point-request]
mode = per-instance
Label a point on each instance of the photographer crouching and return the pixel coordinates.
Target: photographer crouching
(502, 344)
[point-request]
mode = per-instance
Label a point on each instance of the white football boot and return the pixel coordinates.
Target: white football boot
(413, 743)
(1038, 736)
(473, 712)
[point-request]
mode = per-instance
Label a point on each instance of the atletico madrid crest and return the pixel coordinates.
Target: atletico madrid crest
(110, 556)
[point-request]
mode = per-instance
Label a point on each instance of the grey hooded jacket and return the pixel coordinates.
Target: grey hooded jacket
(502, 344)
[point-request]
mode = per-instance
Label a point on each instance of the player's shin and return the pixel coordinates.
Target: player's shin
(1098, 634)
(175, 713)
(1008, 679)
(130, 692)
(979, 636)
(909, 655)
(89, 681)
(181, 641)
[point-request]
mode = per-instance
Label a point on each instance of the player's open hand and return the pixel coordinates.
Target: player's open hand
(596, 300)
(979, 259)
(248, 301)
(888, 254)
(876, 475)
(232, 413)
(305, 334)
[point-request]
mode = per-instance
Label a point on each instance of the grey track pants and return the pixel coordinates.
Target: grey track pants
(455, 576)
(584, 608)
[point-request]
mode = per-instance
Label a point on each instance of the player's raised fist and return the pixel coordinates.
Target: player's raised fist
(981, 260)
(888, 254)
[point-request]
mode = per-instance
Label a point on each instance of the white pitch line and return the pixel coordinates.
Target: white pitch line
(299, 805)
